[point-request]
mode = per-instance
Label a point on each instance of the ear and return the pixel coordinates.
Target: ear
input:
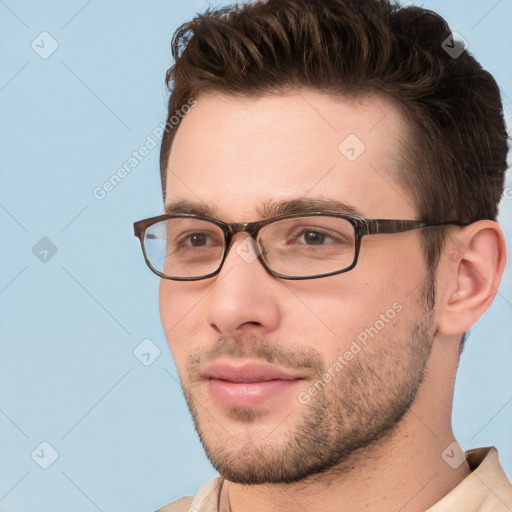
(469, 272)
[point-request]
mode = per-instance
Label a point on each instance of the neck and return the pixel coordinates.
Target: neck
(402, 471)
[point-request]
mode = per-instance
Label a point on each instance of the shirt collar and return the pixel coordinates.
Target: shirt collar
(485, 488)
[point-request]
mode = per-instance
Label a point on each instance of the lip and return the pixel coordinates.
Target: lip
(248, 371)
(248, 384)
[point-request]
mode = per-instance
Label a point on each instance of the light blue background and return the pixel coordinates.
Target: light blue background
(69, 326)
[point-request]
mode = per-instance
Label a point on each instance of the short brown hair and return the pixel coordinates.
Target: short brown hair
(454, 159)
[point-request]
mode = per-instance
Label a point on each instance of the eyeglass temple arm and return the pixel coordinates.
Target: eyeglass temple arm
(374, 226)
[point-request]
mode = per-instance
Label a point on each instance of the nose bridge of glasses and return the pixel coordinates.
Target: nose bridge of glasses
(248, 249)
(251, 228)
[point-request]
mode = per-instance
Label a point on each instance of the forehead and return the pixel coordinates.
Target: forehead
(232, 154)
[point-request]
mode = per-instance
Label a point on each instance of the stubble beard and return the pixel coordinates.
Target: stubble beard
(361, 406)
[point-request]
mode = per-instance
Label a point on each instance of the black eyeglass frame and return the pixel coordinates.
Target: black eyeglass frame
(362, 227)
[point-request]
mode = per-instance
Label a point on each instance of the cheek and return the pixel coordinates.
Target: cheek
(364, 325)
(179, 310)
(169, 305)
(361, 305)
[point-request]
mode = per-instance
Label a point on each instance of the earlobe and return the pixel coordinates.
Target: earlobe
(471, 265)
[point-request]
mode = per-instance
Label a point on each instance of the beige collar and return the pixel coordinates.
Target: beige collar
(486, 489)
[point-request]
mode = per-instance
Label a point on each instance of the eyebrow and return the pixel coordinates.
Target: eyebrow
(270, 208)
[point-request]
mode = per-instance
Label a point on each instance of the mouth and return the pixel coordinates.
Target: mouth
(248, 384)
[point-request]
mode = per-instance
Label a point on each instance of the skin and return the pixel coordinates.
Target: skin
(233, 154)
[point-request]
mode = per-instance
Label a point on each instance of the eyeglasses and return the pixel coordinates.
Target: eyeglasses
(188, 247)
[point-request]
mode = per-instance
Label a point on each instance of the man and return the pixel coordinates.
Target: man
(317, 349)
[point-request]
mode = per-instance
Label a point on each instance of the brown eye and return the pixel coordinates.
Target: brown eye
(198, 239)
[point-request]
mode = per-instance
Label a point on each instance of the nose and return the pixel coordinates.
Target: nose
(244, 296)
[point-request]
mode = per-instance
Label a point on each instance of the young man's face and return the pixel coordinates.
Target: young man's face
(286, 378)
